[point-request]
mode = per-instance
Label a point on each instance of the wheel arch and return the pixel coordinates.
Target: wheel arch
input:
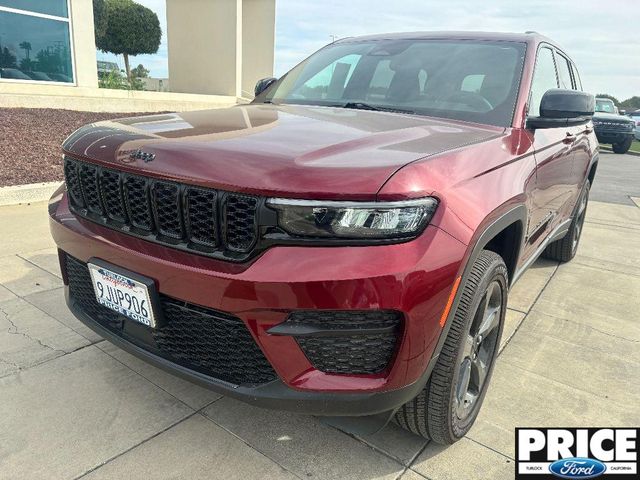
(508, 226)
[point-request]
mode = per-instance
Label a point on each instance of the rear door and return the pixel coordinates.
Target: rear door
(553, 148)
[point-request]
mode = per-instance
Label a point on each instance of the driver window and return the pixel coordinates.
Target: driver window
(544, 78)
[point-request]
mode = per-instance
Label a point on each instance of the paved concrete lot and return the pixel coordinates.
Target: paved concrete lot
(74, 406)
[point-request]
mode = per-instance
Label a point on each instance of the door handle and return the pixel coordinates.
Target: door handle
(569, 139)
(588, 130)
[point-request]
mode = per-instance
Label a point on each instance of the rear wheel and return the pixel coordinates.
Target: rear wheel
(622, 147)
(565, 249)
(446, 408)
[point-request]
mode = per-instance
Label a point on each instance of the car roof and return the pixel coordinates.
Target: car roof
(527, 37)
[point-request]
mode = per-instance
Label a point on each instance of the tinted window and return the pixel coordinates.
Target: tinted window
(467, 80)
(34, 48)
(544, 78)
(49, 7)
(564, 72)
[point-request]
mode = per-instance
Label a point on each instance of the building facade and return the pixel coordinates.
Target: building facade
(218, 49)
(47, 42)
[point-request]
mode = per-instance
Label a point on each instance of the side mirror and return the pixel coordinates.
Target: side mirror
(563, 108)
(263, 84)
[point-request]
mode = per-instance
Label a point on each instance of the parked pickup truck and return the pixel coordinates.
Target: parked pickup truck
(345, 244)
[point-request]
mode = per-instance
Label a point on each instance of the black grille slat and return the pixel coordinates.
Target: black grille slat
(186, 217)
(166, 204)
(73, 183)
(112, 196)
(240, 222)
(210, 342)
(364, 353)
(201, 215)
(89, 181)
(136, 191)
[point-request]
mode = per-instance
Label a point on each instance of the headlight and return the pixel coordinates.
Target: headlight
(354, 220)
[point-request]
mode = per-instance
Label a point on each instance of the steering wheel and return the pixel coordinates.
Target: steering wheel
(472, 99)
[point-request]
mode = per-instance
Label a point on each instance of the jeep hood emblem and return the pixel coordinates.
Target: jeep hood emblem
(144, 156)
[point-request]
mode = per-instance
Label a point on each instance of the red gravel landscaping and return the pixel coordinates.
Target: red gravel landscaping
(30, 140)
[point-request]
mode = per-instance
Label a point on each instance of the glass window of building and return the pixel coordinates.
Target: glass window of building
(35, 41)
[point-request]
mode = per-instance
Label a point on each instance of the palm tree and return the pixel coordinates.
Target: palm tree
(26, 46)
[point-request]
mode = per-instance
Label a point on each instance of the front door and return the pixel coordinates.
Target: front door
(554, 150)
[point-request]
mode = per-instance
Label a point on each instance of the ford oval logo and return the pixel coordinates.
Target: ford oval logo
(577, 468)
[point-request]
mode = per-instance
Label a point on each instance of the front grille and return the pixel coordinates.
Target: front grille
(206, 221)
(613, 126)
(210, 342)
(368, 352)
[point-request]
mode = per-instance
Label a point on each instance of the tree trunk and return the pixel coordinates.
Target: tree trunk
(126, 66)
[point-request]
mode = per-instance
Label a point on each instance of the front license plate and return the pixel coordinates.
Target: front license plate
(122, 294)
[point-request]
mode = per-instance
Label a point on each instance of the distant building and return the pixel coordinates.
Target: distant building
(216, 48)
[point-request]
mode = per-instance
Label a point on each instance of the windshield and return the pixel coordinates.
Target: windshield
(469, 80)
(605, 106)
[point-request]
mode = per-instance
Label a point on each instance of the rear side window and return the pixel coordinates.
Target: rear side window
(564, 72)
(544, 78)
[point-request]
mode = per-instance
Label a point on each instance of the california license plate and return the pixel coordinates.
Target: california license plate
(123, 294)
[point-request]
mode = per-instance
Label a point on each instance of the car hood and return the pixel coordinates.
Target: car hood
(611, 117)
(278, 150)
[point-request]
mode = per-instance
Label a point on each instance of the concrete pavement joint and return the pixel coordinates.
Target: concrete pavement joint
(577, 260)
(19, 255)
(37, 364)
(618, 225)
(492, 449)
(413, 460)
(64, 325)
(152, 383)
(572, 387)
(201, 412)
(109, 460)
(617, 337)
(526, 314)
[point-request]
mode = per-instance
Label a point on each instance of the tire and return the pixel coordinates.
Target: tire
(565, 249)
(436, 413)
(622, 147)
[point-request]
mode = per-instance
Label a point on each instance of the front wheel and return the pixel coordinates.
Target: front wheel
(446, 408)
(622, 147)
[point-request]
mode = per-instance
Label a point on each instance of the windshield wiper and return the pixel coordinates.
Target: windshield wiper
(366, 106)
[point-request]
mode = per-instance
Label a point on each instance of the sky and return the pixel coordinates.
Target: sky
(601, 36)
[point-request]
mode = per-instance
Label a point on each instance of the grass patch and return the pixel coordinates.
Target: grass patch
(635, 146)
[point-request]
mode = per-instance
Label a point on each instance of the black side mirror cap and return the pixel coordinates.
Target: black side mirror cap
(560, 108)
(263, 84)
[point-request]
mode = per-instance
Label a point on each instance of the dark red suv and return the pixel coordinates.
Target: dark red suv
(345, 244)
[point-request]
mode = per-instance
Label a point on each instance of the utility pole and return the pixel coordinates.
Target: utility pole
(333, 37)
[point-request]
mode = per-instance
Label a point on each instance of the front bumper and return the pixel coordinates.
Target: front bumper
(414, 278)
(613, 137)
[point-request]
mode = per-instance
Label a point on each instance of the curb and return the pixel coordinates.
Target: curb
(33, 192)
(630, 152)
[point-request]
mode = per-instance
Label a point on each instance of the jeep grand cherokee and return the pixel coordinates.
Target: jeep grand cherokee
(345, 244)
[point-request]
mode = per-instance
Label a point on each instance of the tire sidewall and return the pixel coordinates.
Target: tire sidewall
(583, 194)
(497, 271)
